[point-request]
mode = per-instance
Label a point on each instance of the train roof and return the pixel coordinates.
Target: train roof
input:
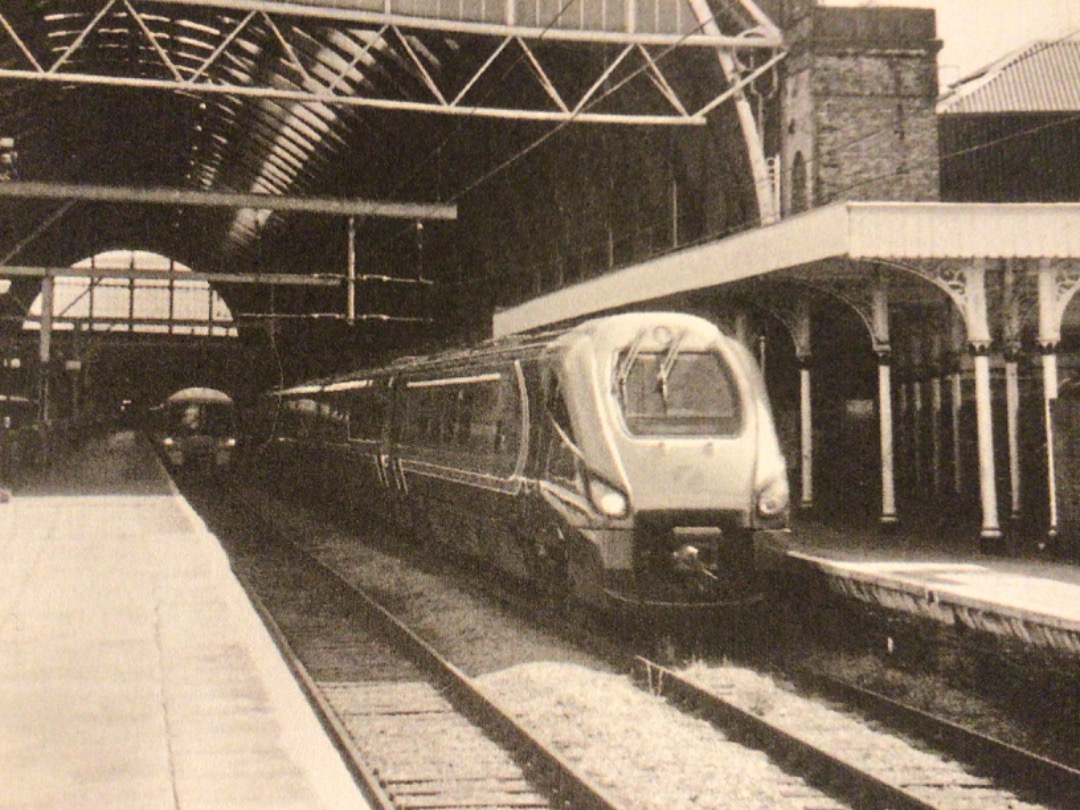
(516, 346)
(200, 395)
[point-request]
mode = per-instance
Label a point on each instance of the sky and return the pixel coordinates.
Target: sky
(977, 32)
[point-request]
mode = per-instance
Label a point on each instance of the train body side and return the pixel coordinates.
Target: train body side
(629, 461)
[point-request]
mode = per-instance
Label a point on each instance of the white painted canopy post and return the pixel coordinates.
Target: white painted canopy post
(991, 528)
(1050, 385)
(879, 329)
(1052, 304)
(935, 362)
(45, 347)
(956, 397)
(956, 404)
(935, 432)
(918, 461)
(888, 475)
(1012, 326)
(972, 303)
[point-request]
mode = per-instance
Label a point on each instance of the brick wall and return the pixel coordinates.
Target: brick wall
(858, 105)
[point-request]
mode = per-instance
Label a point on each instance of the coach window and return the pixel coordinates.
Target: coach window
(508, 430)
(561, 456)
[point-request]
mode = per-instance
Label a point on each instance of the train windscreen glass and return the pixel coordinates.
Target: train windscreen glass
(677, 393)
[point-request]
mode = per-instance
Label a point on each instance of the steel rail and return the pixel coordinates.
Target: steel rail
(818, 765)
(366, 778)
(1013, 764)
(573, 789)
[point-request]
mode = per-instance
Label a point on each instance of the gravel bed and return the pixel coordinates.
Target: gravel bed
(1026, 701)
(641, 750)
(637, 747)
(883, 754)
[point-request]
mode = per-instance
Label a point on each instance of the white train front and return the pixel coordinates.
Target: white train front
(629, 461)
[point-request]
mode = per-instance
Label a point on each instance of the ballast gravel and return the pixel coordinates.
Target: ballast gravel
(638, 749)
(634, 746)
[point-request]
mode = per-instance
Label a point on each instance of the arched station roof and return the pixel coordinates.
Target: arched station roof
(342, 98)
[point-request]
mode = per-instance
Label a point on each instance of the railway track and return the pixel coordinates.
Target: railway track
(410, 725)
(388, 721)
(868, 768)
(1007, 764)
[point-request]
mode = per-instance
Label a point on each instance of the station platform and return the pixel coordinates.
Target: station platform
(134, 672)
(941, 575)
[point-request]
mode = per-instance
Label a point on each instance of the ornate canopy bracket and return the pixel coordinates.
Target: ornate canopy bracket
(964, 281)
(1058, 282)
(868, 296)
(794, 314)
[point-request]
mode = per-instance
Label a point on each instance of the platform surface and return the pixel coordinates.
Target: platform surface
(134, 672)
(943, 576)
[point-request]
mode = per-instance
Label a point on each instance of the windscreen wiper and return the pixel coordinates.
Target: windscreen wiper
(668, 364)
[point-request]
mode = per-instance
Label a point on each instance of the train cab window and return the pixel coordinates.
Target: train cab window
(679, 394)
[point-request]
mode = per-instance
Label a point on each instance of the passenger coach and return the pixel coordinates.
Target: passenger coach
(627, 461)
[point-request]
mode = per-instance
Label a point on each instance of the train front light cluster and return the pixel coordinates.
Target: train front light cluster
(610, 501)
(772, 498)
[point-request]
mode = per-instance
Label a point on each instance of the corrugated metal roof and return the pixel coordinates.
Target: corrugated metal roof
(1043, 77)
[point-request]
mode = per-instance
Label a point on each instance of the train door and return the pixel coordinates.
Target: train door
(391, 474)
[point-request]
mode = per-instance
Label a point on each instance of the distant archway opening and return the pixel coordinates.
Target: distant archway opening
(169, 306)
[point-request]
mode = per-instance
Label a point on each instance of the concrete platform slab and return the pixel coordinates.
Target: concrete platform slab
(133, 670)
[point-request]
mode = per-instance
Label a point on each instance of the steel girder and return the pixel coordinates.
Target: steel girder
(442, 57)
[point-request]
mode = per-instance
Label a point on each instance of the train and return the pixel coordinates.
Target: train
(629, 462)
(196, 429)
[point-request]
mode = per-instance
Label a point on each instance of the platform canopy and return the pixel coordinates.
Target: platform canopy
(905, 235)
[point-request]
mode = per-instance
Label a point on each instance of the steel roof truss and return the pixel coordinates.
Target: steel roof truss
(545, 81)
(334, 84)
(78, 41)
(290, 54)
(618, 60)
(422, 71)
(222, 46)
(480, 71)
(135, 15)
(764, 35)
(661, 82)
(20, 44)
(741, 83)
(361, 55)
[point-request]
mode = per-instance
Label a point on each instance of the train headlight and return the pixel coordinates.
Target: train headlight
(607, 499)
(772, 499)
